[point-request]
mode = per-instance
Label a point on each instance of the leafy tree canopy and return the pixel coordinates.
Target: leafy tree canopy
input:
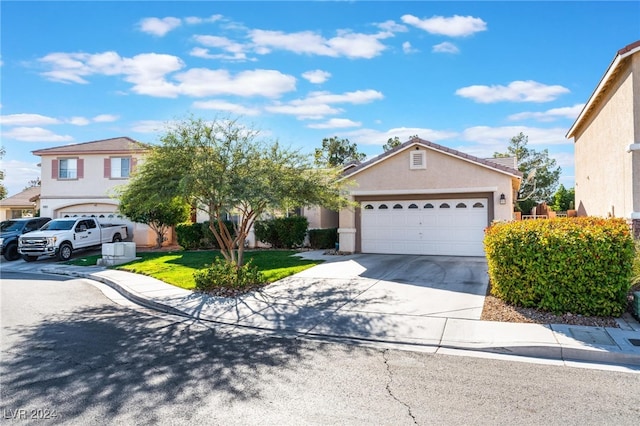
(540, 172)
(337, 152)
(394, 142)
(563, 199)
(223, 168)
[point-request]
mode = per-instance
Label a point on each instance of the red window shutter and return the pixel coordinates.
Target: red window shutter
(134, 163)
(80, 168)
(107, 168)
(54, 169)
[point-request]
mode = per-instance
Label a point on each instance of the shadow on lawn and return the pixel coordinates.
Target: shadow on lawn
(112, 357)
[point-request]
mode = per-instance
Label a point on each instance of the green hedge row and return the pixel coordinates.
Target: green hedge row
(323, 238)
(282, 232)
(577, 265)
(193, 236)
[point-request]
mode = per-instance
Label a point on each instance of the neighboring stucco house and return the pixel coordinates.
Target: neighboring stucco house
(424, 198)
(22, 204)
(79, 180)
(607, 143)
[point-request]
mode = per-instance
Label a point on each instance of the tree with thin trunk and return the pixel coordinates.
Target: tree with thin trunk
(226, 171)
(337, 152)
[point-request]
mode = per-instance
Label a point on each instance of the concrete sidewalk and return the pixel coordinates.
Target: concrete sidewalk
(348, 305)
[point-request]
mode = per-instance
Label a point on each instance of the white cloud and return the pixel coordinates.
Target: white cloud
(551, 114)
(317, 105)
(377, 137)
(35, 134)
(336, 123)
(147, 72)
(18, 174)
(499, 137)
(27, 120)
(105, 118)
(455, 26)
(516, 91)
(392, 26)
(304, 111)
(446, 47)
(316, 76)
(159, 26)
(201, 52)
(407, 48)
(200, 82)
(221, 105)
(345, 44)
(149, 126)
(79, 121)
(193, 20)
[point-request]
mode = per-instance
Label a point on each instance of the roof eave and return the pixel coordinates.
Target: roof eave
(613, 67)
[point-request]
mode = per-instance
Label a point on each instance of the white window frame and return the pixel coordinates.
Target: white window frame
(71, 173)
(116, 167)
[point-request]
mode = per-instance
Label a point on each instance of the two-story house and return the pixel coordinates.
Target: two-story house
(79, 180)
(607, 143)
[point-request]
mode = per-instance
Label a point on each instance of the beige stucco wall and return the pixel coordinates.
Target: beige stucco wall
(92, 193)
(444, 174)
(603, 164)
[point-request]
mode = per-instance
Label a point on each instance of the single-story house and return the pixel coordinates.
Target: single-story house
(607, 143)
(22, 204)
(424, 198)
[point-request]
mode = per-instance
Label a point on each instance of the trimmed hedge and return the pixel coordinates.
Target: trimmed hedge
(193, 236)
(282, 232)
(577, 265)
(323, 238)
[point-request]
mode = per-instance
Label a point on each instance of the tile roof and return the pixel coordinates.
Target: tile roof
(113, 145)
(22, 199)
(496, 165)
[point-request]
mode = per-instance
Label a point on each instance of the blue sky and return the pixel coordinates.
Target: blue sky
(467, 75)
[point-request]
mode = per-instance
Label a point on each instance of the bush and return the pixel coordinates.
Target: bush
(189, 235)
(577, 265)
(283, 232)
(323, 238)
(193, 236)
(222, 274)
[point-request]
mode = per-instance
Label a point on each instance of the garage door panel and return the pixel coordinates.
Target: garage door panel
(457, 230)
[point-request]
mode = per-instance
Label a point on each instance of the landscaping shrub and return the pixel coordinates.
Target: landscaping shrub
(192, 236)
(323, 238)
(222, 274)
(577, 265)
(282, 232)
(189, 235)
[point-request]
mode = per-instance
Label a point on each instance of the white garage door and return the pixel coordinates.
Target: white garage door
(430, 227)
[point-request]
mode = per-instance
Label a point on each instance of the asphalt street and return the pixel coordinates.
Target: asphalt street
(70, 355)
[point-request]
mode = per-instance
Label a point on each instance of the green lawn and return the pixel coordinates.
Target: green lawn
(177, 268)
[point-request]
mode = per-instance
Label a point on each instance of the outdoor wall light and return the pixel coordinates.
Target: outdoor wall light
(503, 199)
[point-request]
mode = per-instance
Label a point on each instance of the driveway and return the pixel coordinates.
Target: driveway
(364, 296)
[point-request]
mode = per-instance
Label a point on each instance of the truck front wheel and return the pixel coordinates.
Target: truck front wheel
(11, 252)
(64, 253)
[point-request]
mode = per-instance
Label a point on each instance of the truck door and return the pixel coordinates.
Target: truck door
(85, 234)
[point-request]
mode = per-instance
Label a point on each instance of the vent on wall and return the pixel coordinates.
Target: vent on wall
(417, 160)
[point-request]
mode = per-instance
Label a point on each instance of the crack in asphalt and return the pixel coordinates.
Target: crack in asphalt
(388, 387)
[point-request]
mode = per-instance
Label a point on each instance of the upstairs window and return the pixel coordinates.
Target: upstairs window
(67, 168)
(117, 167)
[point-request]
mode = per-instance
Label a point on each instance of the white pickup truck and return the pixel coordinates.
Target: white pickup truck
(61, 237)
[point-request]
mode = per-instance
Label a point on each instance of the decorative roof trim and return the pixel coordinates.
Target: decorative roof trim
(613, 68)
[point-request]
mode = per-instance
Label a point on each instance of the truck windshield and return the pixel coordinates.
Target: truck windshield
(10, 225)
(59, 225)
